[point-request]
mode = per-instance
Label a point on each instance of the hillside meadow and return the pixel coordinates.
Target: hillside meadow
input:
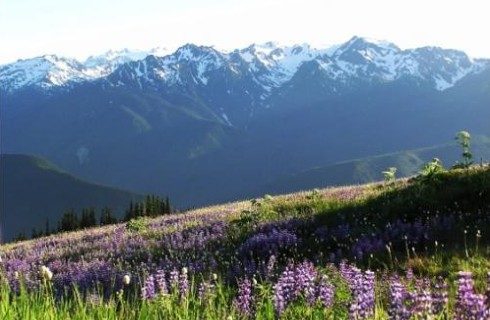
(415, 248)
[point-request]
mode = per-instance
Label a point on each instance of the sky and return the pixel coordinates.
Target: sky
(79, 28)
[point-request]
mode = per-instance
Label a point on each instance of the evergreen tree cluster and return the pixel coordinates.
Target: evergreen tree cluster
(151, 206)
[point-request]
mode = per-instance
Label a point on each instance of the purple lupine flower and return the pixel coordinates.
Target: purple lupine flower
(475, 308)
(439, 296)
(204, 290)
(469, 305)
(148, 289)
(271, 263)
(347, 272)
(362, 306)
(174, 280)
(422, 300)
(409, 274)
(161, 282)
(398, 295)
(280, 295)
(268, 243)
(355, 280)
(488, 291)
(284, 289)
(201, 292)
(301, 281)
(325, 292)
(305, 275)
(183, 283)
(244, 300)
(369, 294)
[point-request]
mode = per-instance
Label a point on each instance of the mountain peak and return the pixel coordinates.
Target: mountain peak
(44, 71)
(191, 51)
(114, 57)
(262, 49)
(159, 51)
(357, 43)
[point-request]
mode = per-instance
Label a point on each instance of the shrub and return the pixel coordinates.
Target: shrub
(464, 140)
(389, 174)
(432, 168)
(137, 225)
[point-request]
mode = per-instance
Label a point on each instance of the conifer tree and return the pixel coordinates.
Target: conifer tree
(92, 221)
(84, 219)
(69, 221)
(130, 214)
(20, 237)
(88, 218)
(168, 208)
(47, 230)
(106, 217)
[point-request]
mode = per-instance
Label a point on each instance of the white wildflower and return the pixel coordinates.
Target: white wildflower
(45, 273)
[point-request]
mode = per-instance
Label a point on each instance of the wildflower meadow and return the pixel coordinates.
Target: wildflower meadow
(415, 248)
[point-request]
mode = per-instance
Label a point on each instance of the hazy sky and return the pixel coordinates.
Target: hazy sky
(78, 28)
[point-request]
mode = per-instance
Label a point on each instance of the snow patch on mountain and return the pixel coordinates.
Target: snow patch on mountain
(281, 63)
(445, 83)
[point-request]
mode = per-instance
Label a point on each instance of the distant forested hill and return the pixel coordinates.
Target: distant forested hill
(33, 190)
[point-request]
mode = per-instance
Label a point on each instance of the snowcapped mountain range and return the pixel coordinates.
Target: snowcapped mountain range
(268, 66)
(205, 125)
